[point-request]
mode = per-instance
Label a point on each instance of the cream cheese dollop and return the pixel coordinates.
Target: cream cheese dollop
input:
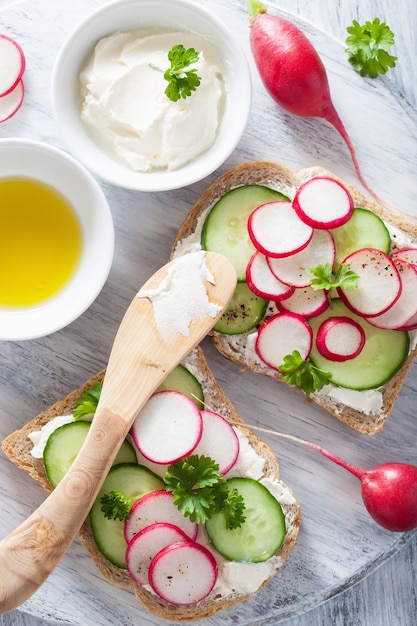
(124, 107)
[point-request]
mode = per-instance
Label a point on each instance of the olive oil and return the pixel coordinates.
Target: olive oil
(40, 242)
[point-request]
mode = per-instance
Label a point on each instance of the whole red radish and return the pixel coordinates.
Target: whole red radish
(389, 491)
(293, 73)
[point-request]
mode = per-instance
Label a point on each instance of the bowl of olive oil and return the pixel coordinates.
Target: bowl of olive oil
(56, 239)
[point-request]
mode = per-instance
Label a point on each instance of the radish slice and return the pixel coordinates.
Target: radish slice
(218, 441)
(280, 335)
(183, 573)
(295, 269)
(261, 280)
(379, 284)
(405, 308)
(409, 255)
(11, 102)
(340, 338)
(323, 202)
(12, 64)
(146, 544)
(168, 428)
(305, 301)
(276, 230)
(157, 506)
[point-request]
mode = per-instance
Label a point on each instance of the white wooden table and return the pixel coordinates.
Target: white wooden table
(371, 581)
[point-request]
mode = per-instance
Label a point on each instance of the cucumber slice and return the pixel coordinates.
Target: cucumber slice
(261, 534)
(225, 229)
(244, 312)
(133, 481)
(64, 444)
(363, 230)
(182, 380)
(382, 356)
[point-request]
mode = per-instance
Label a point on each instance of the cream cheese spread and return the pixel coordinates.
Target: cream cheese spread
(124, 107)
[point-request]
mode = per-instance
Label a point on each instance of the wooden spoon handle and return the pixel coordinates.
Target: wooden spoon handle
(30, 553)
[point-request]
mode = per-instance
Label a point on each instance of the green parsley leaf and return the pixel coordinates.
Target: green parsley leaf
(324, 278)
(116, 505)
(303, 374)
(86, 404)
(368, 47)
(182, 80)
(200, 490)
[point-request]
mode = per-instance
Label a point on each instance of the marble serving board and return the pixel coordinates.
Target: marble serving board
(338, 542)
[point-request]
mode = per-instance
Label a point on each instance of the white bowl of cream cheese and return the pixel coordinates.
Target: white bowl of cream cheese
(110, 104)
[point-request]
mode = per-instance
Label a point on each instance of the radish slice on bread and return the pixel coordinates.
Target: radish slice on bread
(157, 506)
(12, 64)
(379, 284)
(183, 573)
(294, 269)
(219, 441)
(262, 281)
(168, 428)
(305, 301)
(323, 202)
(146, 544)
(276, 230)
(404, 309)
(340, 338)
(280, 335)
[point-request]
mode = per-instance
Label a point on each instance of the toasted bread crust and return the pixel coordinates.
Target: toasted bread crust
(234, 347)
(17, 447)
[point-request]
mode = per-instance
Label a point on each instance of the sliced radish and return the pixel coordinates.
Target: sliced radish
(409, 255)
(261, 280)
(11, 102)
(379, 284)
(168, 428)
(157, 506)
(280, 335)
(404, 308)
(340, 338)
(276, 230)
(218, 441)
(305, 301)
(323, 202)
(183, 573)
(12, 64)
(146, 544)
(295, 268)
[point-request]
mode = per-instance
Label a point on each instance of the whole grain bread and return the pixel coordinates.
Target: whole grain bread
(17, 447)
(234, 347)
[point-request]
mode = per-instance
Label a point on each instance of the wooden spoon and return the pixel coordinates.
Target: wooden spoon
(143, 354)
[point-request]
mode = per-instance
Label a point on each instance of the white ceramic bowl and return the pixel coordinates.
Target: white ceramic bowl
(143, 14)
(21, 158)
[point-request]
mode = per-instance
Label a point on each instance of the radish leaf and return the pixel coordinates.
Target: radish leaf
(181, 79)
(368, 47)
(303, 374)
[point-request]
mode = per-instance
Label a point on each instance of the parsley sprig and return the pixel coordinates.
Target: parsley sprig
(182, 78)
(324, 278)
(303, 373)
(368, 47)
(115, 505)
(200, 491)
(86, 404)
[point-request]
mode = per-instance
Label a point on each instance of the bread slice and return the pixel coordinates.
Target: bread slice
(17, 446)
(235, 347)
